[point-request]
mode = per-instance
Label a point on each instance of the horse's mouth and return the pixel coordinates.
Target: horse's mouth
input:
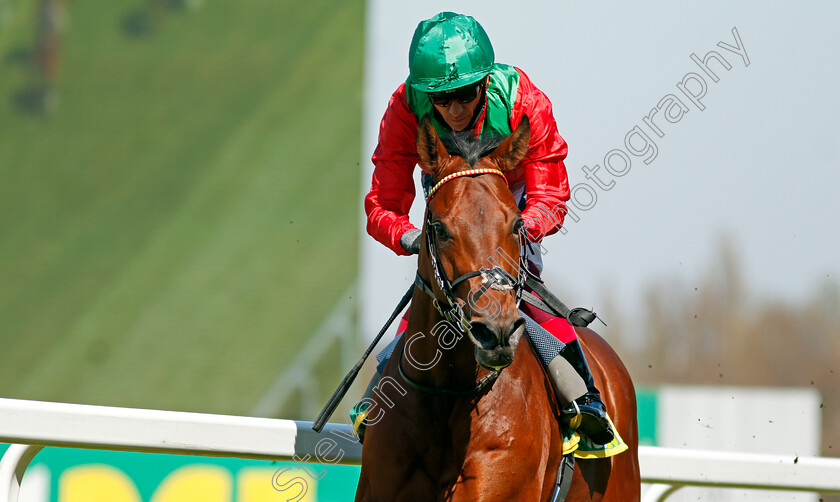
(494, 360)
(500, 356)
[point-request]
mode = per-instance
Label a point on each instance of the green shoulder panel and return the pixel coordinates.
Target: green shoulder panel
(501, 96)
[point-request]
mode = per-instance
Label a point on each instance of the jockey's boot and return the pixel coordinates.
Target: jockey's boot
(359, 412)
(583, 409)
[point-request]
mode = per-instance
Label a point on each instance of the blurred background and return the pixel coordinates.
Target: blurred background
(174, 212)
(181, 182)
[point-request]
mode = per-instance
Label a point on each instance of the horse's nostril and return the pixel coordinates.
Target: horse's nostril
(486, 335)
(513, 328)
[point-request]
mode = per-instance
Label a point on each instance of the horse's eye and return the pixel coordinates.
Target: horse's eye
(440, 231)
(517, 226)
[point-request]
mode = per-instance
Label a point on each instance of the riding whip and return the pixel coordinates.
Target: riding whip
(345, 384)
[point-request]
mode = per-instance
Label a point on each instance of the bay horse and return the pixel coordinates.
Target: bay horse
(466, 413)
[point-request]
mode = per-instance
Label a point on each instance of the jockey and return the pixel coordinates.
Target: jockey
(454, 78)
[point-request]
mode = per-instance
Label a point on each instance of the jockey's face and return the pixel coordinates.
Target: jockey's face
(456, 112)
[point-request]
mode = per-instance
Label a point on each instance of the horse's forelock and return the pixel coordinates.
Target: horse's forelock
(470, 148)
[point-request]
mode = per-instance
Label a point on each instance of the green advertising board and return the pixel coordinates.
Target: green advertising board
(74, 475)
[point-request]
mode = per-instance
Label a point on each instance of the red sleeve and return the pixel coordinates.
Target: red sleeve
(546, 182)
(392, 186)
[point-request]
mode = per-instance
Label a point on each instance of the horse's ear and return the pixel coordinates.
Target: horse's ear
(512, 150)
(433, 155)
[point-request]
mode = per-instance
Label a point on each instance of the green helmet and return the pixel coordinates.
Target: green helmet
(448, 51)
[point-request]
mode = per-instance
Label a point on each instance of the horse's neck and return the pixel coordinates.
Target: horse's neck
(429, 338)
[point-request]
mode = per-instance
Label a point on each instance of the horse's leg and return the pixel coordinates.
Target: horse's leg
(616, 386)
(596, 473)
(579, 491)
(363, 488)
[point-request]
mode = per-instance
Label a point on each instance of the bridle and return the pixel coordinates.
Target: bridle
(451, 309)
(495, 277)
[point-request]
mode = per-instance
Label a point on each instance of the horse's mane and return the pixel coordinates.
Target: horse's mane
(465, 145)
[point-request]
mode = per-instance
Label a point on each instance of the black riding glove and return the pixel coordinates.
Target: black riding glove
(410, 241)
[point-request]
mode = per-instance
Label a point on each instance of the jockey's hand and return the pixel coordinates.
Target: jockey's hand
(410, 241)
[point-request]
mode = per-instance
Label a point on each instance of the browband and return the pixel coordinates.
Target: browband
(468, 172)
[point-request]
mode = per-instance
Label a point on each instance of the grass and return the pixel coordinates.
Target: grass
(174, 230)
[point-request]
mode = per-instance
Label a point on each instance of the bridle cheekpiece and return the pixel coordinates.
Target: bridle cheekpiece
(495, 277)
(492, 278)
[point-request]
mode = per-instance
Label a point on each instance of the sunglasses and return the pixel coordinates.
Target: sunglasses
(464, 95)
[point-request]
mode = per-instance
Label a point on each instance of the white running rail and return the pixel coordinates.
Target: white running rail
(669, 469)
(31, 425)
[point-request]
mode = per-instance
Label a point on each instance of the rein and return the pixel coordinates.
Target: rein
(468, 390)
